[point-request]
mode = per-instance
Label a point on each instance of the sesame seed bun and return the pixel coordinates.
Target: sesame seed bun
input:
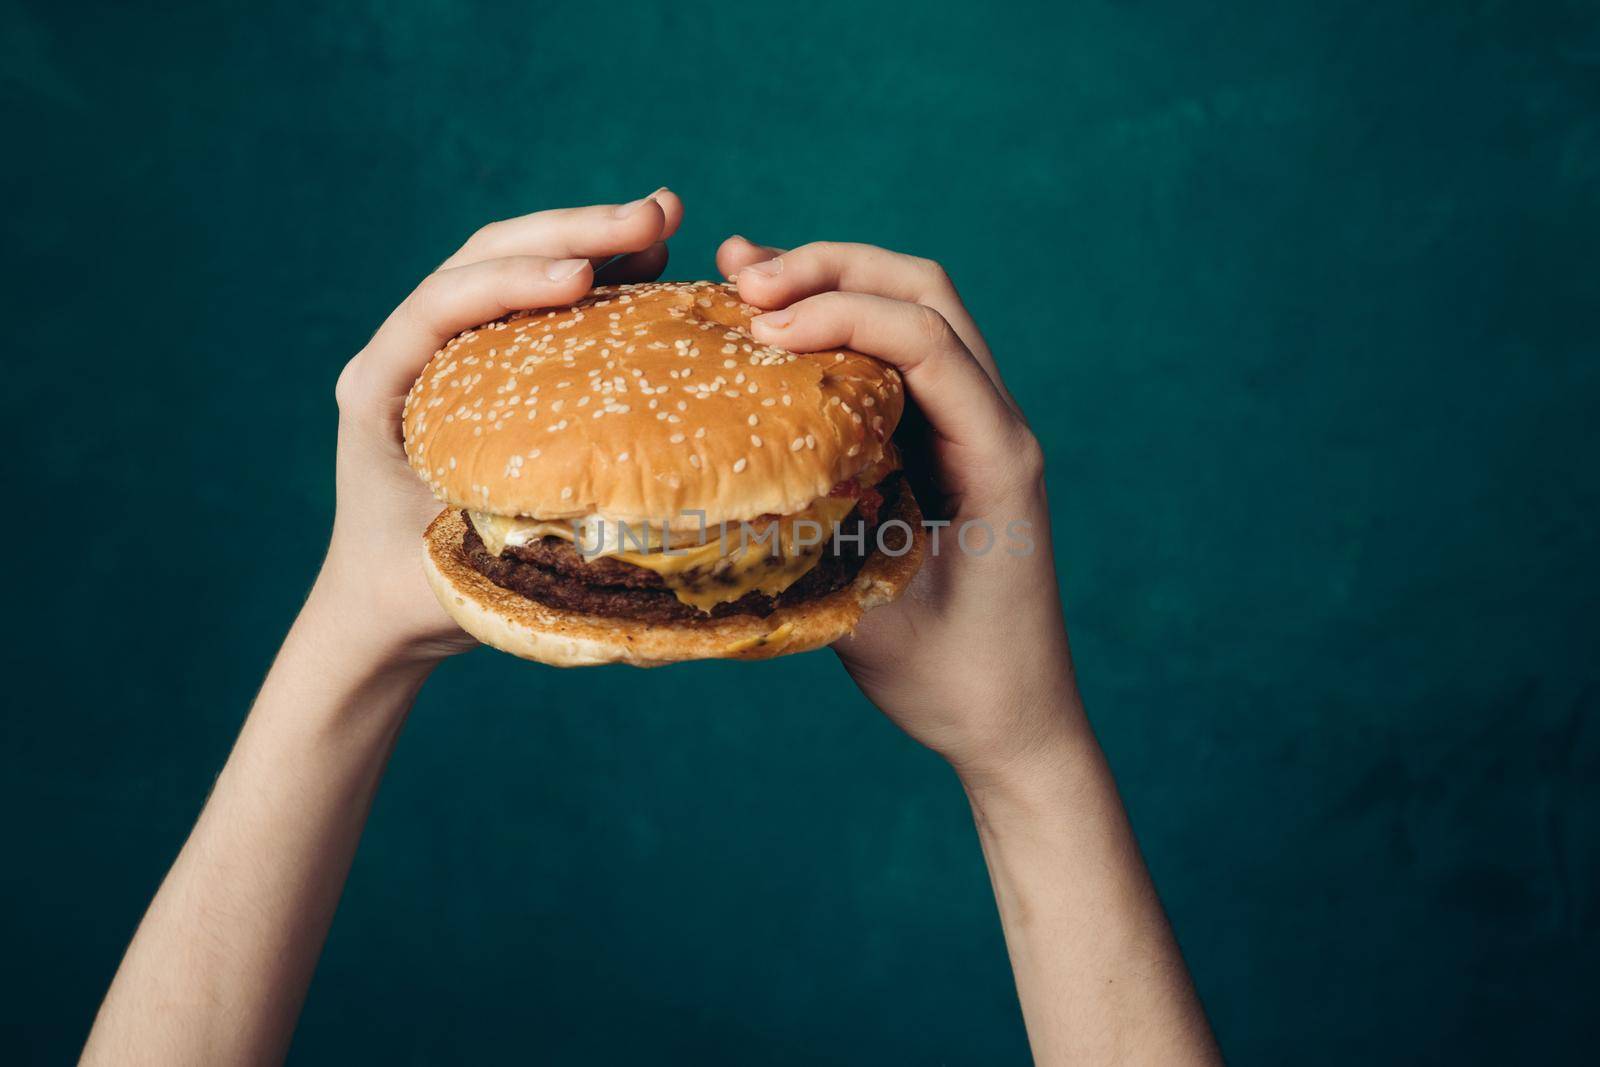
(536, 631)
(642, 403)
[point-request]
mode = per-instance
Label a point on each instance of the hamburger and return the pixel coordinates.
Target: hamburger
(636, 479)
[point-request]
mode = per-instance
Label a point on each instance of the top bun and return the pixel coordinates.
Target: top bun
(641, 403)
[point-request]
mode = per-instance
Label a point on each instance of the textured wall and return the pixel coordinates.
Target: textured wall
(1308, 326)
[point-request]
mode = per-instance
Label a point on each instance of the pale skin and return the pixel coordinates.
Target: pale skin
(973, 662)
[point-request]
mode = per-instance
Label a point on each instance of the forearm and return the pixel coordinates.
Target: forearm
(1098, 972)
(219, 966)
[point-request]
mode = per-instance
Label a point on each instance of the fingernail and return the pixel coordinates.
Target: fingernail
(622, 211)
(767, 267)
(658, 192)
(559, 270)
(776, 319)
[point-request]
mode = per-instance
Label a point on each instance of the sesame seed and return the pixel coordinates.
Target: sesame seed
(739, 465)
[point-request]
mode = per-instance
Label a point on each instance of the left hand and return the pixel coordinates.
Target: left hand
(373, 576)
(973, 660)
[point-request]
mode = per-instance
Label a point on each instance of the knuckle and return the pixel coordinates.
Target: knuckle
(417, 308)
(486, 235)
(347, 390)
(831, 251)
(933, 271)
(822, 250)
(1028, 456)
(933, 329)
(428, 291)
(425, 304)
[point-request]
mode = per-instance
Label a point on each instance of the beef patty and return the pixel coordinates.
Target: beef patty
(551, 571)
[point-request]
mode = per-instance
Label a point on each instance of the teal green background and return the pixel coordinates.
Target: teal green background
(1302, 299)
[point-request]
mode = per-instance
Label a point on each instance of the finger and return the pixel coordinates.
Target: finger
(857, 268)
(634, 267)
(671, 205)
(599, 231)
(737, 252)
(449, 301)
(958, 398)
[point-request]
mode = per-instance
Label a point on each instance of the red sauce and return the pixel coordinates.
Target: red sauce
(868, 501)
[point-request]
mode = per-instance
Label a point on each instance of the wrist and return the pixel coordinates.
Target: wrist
(1065, 783)
(344, 643)
(1045, 740)
(370, 620)
(1029, 720)
(336, 683)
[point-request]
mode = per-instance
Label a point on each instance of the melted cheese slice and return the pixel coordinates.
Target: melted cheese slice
(721, 564)
(736, 559)
(498, 531)
(748, 557)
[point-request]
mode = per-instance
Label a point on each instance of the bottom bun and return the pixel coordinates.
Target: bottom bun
(536, 631)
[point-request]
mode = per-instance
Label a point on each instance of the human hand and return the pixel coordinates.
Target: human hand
(973, 660)
(373, 576)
